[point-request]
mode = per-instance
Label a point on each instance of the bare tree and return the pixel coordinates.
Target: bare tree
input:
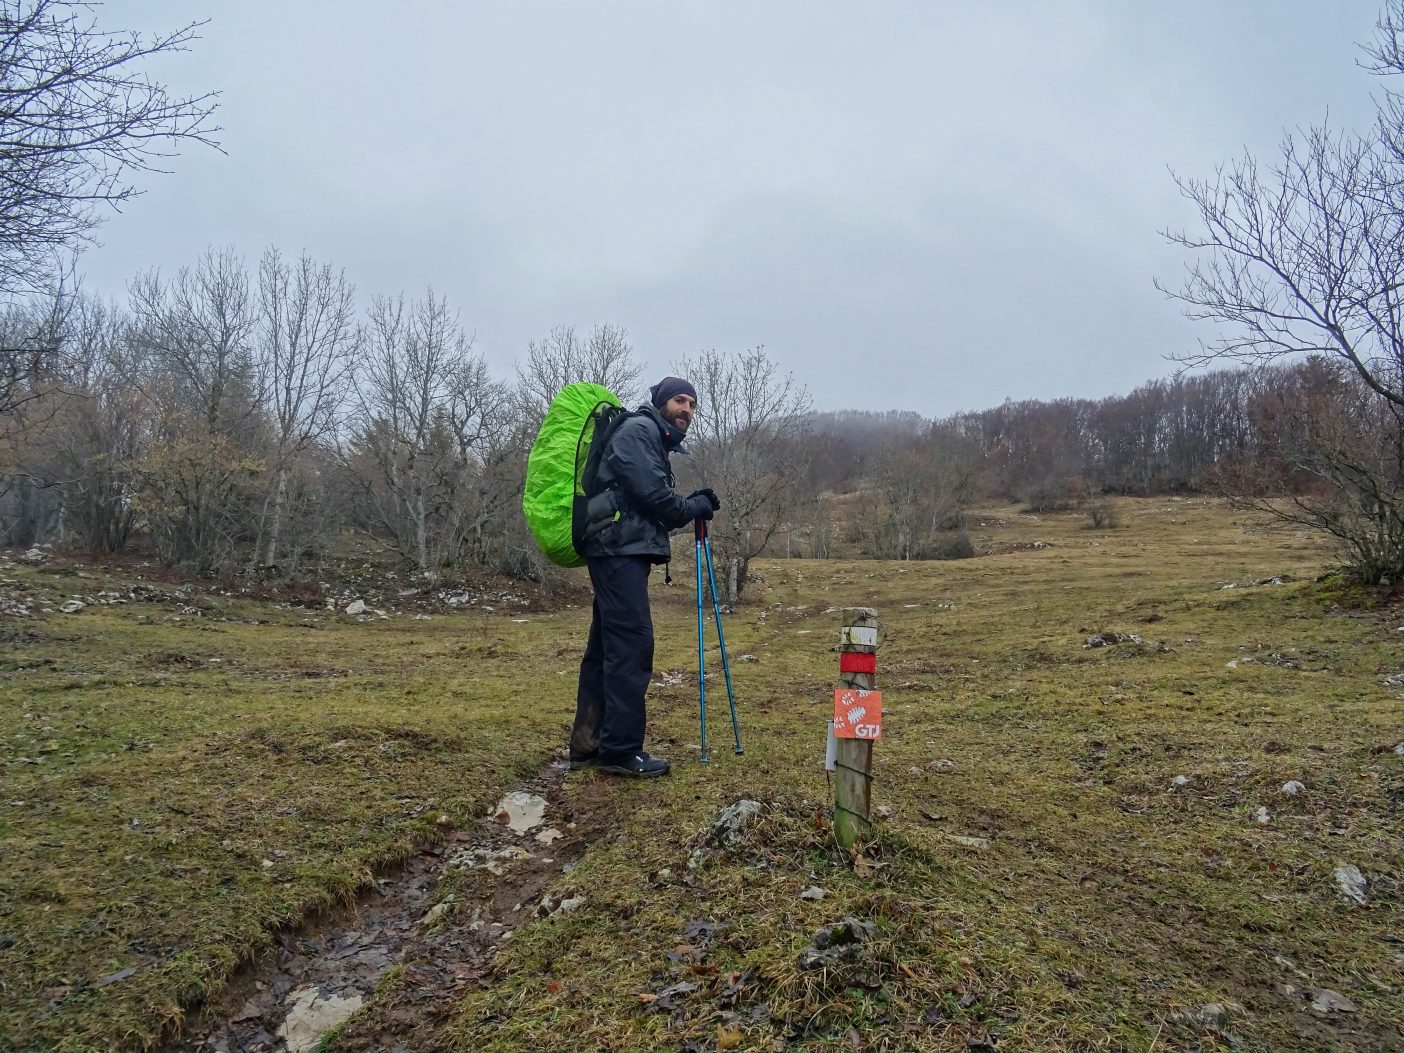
(197, 480)
(1306, 257)
(101, 427)
(1331, 456)
(742, 444)
(426, 409)
(923, 487)
(80, 119)
(304, 341)
(562, 357)
(32, 387)
(198, 329)
(32, 332)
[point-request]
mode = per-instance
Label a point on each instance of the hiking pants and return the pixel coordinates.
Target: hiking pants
(618, 661)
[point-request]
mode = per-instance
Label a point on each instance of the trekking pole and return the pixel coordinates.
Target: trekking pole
(721, 639)
(700, 531)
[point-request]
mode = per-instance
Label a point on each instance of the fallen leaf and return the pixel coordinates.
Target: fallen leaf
(685, 952)
(648, 999)
(728, 1037)
(554, 987)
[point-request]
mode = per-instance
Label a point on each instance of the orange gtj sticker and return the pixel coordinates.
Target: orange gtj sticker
(857, 714)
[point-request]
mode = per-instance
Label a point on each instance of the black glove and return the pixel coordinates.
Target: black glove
(709, 494)
(699, 506)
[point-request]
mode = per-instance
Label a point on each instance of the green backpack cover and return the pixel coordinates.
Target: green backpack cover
(556, 466)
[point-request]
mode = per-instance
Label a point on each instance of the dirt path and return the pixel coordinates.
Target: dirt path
(442, 942)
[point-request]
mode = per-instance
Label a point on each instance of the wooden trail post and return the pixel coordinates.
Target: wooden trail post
(857, 723)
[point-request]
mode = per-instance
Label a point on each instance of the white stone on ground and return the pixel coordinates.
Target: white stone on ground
(1351, 883)
(521, 811)
(312, 1015)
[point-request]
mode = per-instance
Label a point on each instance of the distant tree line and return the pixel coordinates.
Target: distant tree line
(1231, 432)
(238, 420)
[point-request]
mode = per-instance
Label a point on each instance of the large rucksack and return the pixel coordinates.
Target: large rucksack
(563, 468)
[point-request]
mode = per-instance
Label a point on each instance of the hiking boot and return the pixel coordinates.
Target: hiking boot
(639, 765)
(587, 760)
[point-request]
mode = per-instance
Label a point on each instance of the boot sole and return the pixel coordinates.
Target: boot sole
(619, 769)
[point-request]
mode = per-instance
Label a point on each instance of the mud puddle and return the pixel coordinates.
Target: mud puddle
(316, 977)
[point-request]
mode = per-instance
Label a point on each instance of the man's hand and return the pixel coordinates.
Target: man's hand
(710, 495)
(700, 506)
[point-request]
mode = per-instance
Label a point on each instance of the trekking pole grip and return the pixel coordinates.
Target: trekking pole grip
(700, 528)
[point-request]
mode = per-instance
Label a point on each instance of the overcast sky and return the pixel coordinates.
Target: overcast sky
(930, 205)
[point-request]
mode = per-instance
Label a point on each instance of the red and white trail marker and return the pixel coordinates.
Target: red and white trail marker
(857, 725)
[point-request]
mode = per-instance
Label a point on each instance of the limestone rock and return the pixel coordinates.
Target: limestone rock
(727, 831)
(521, 811)
(314, 1012)
(1352, 883)
(1325, 1001)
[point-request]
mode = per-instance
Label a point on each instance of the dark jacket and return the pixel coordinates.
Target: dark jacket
(637, 490)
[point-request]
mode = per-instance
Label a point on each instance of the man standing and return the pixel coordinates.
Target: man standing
(640, 507)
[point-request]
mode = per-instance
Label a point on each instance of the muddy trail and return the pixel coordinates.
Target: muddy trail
(439, 918)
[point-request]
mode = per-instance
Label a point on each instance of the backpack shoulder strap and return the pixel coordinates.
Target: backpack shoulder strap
(606, 419)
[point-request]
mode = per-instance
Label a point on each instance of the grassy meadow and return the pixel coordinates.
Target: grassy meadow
(1073, 854)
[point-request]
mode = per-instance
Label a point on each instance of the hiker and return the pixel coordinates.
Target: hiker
(636, 478)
